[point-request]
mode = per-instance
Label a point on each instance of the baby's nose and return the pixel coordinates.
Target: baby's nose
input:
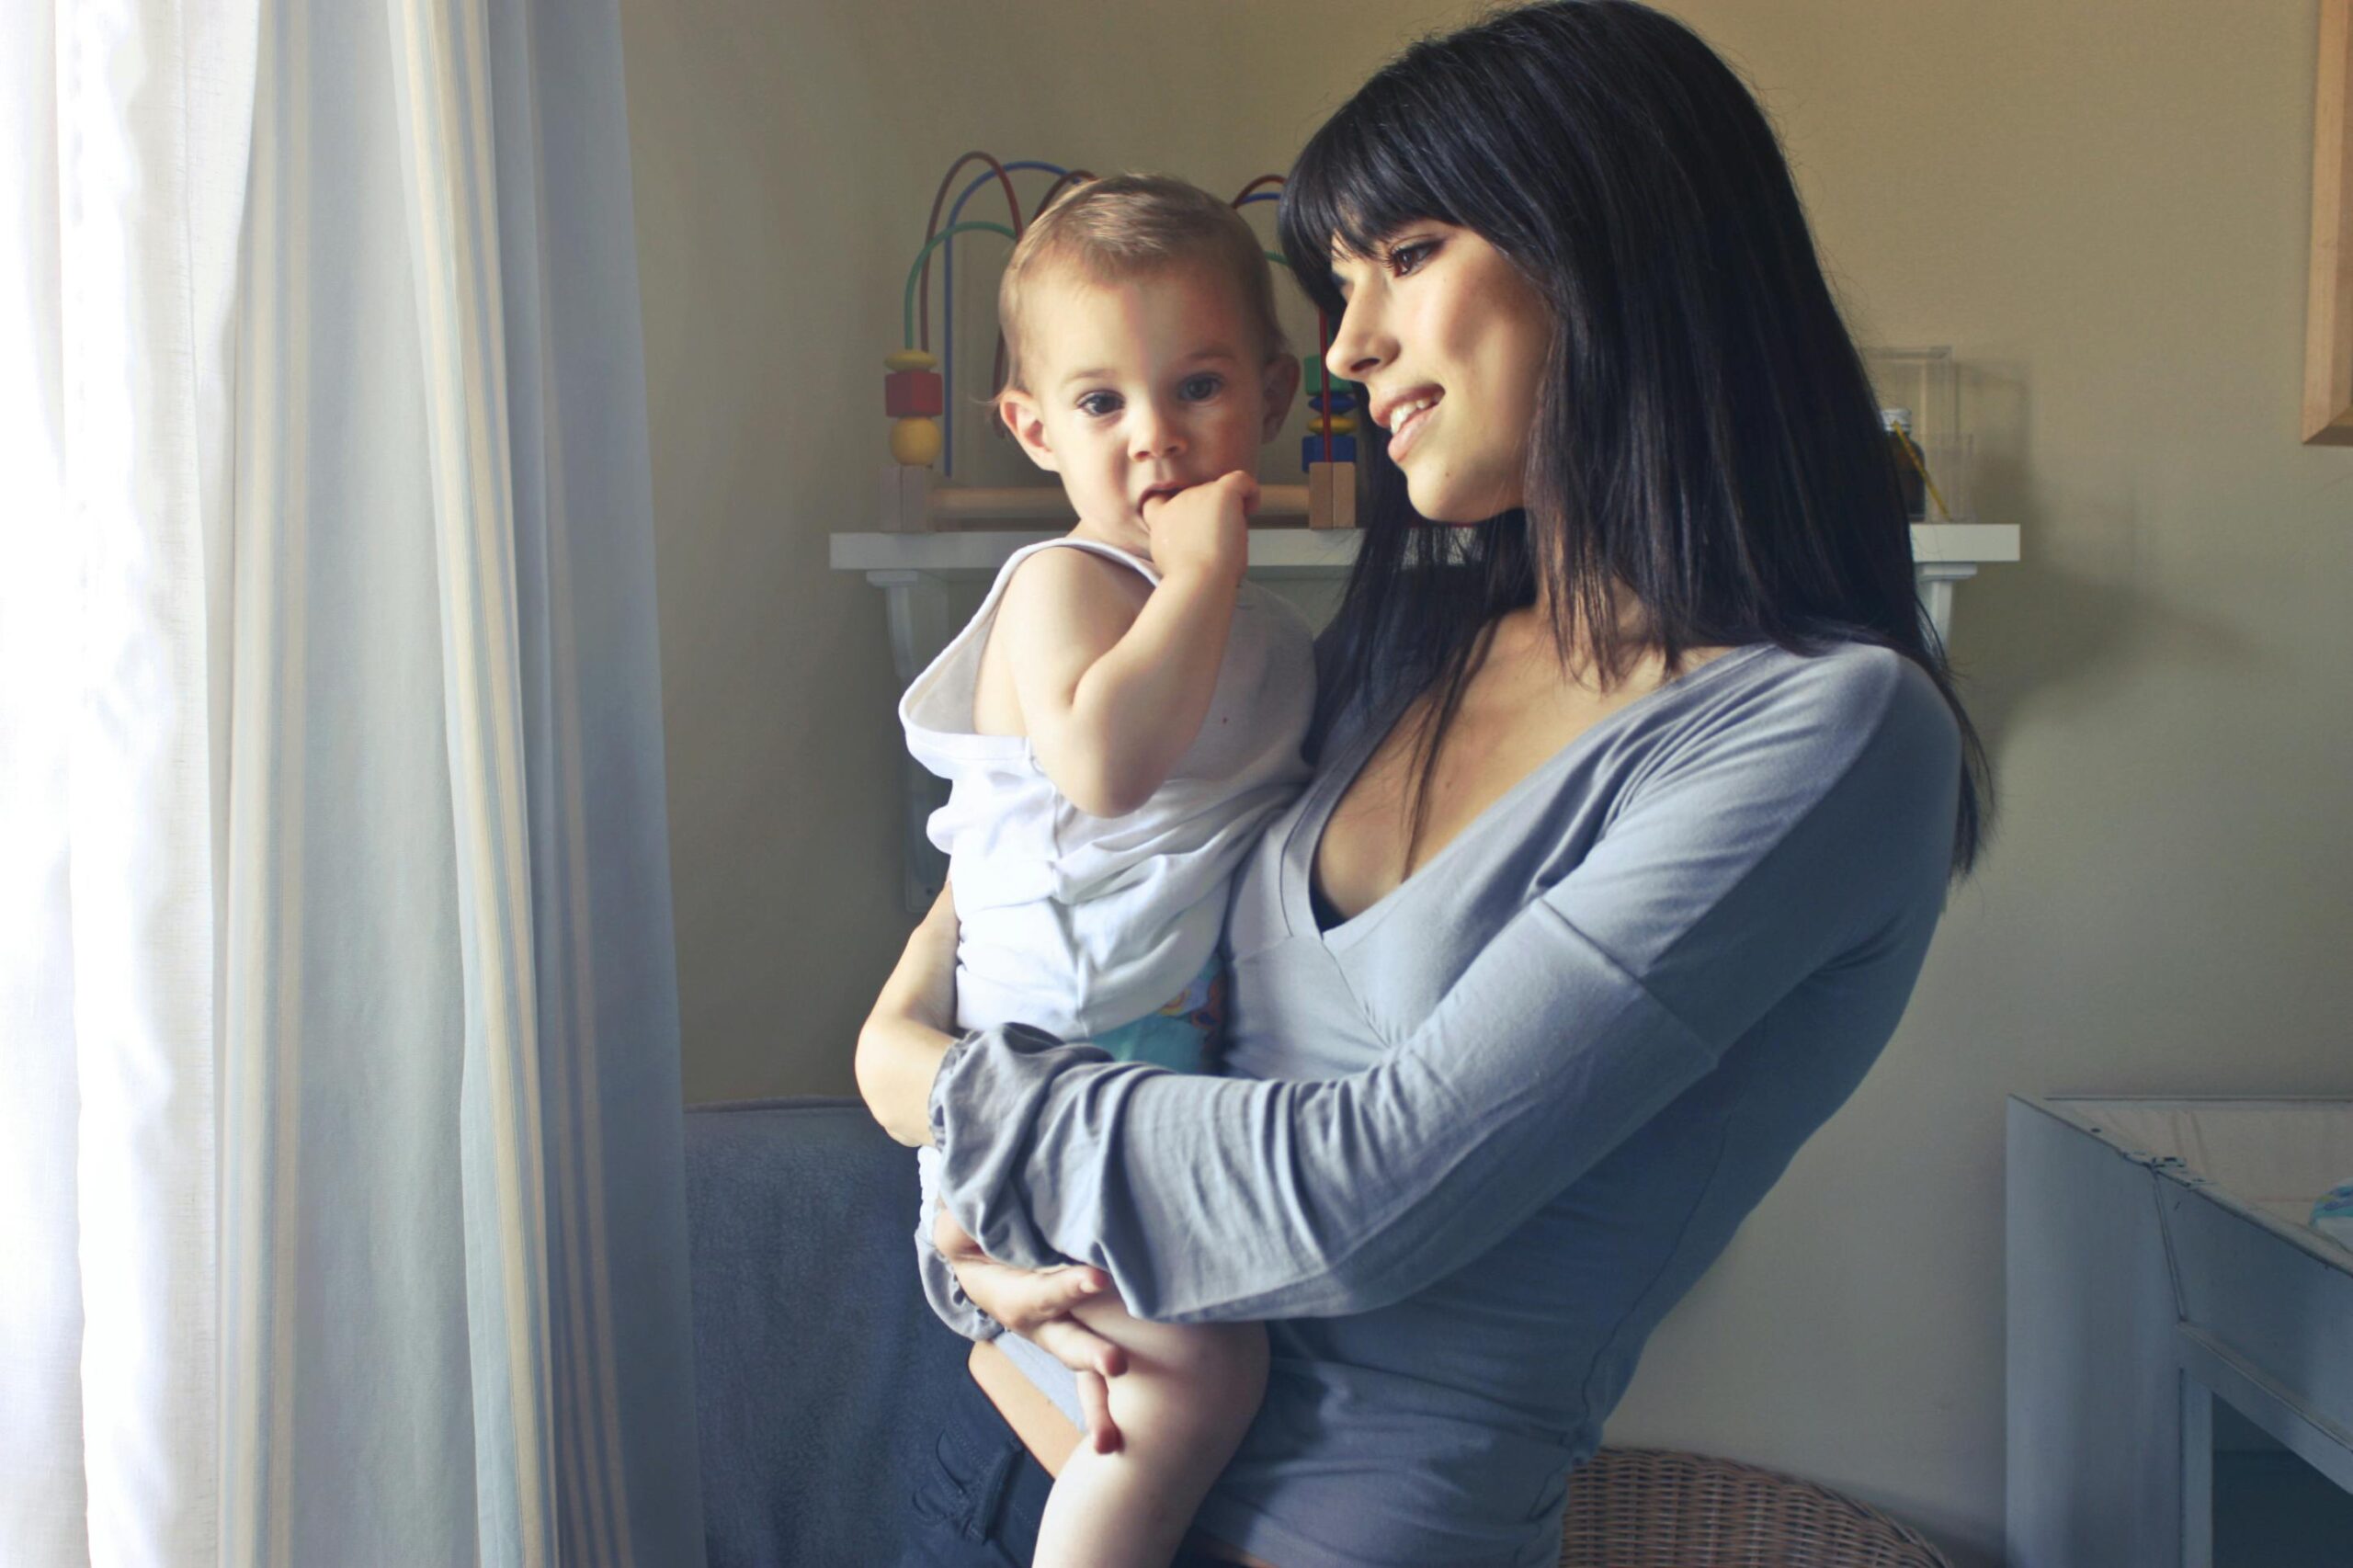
(1157, 434)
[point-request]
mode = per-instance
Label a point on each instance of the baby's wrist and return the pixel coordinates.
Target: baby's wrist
(1205, 574)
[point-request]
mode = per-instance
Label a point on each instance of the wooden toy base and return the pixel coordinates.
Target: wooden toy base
(1331, 495)
(915, 501)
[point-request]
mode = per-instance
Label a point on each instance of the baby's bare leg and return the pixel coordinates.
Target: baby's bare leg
(1181, 1407)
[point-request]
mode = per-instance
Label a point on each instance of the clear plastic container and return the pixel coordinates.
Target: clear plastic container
(1925, 385)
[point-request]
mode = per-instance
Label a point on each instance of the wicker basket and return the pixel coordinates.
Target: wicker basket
(1658, 1509)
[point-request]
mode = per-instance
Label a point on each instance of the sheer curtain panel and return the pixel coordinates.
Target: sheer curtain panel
(339, 1136)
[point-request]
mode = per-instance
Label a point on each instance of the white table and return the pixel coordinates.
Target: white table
(2156, 1265)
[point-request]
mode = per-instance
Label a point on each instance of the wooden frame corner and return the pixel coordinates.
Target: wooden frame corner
(2328, 317)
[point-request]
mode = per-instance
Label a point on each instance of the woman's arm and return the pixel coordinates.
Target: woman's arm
(1817, 829)
(904, 1036)
(898, 1050)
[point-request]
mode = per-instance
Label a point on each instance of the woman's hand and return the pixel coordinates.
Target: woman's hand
(898, 1054)
(907, 1033)
(1037, 1304)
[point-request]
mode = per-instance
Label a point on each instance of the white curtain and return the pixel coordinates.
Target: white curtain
(340, 1188)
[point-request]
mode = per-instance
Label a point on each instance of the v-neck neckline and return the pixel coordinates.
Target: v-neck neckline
(1299, 868)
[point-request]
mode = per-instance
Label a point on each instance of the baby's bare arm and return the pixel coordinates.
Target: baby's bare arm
(1112, 695)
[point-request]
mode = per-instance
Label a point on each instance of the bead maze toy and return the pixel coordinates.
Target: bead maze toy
(920, 494)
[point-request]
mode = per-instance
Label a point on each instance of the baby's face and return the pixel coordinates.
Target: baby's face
(1144, 387)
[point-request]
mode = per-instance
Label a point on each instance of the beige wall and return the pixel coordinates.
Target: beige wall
(2102, 207)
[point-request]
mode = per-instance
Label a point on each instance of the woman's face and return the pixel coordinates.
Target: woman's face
(1450, 339)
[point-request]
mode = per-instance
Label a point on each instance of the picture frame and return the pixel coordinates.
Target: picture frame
(2328, 317)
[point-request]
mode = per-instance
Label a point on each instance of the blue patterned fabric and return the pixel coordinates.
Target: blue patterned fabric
(1183, 1036)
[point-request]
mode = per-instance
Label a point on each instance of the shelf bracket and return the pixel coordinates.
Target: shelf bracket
(916, 604)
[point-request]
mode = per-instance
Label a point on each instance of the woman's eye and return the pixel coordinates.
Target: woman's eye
(1406, 258)
(1200, 388)
(1097, 405)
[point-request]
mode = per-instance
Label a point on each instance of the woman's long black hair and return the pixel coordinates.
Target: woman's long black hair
(1706, 434)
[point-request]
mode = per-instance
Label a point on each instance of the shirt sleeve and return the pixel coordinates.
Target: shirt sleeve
(941, 1288)
(1790, 833)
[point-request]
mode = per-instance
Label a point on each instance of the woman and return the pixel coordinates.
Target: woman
(1637, 795)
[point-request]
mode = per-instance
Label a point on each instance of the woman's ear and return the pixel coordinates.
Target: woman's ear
(1027, 421)
(1282, 385)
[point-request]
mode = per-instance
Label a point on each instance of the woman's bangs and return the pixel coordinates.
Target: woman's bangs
(1351, 188)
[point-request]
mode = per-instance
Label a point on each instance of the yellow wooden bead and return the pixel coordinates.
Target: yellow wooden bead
(916, 442)
(910, 360)
(1342, 425)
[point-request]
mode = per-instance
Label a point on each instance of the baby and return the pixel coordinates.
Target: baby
(1119, 719)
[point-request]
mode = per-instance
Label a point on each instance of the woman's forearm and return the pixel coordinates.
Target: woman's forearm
(900, 1048)
(897, 1058)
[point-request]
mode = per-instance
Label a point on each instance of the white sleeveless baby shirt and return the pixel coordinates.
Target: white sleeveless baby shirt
(1078, 924)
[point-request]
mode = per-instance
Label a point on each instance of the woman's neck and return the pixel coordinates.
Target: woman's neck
(1530, 632)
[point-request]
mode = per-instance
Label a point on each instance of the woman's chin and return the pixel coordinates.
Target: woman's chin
(1455, 505)
(1434, 502)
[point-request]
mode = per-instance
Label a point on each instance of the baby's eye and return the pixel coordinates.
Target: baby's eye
(1097, 405)
(1200, 388)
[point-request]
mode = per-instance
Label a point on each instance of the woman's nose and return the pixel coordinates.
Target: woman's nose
(1357, 347)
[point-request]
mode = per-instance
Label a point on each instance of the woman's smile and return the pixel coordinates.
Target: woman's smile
(1405, 428)
(1436, 313)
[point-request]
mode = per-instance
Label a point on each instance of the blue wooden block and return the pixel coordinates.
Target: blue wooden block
(1310, 450)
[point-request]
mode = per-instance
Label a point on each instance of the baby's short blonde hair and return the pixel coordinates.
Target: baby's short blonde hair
(1127, 226)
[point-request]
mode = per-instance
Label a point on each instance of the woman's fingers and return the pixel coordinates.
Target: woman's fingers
(1021, 1299)
(1038, 1305)
(1094, 1404)
(953, 1242)
(1071, 1342)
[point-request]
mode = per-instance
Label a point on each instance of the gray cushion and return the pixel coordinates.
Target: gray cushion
(815, 1357)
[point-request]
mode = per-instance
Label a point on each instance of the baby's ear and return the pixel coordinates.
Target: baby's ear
(1282, 385)
(1022, 415)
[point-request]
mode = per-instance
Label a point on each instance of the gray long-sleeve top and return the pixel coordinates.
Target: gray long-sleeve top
(1479, 1138)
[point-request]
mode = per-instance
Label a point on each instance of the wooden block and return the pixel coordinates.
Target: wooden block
(912, 393)
(1343, 496)
(1331, 495)
(906, 499)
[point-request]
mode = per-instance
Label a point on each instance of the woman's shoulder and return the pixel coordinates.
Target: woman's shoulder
(1846, 685)
(1837, 721)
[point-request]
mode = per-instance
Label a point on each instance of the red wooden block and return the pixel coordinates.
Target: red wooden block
(908, 394)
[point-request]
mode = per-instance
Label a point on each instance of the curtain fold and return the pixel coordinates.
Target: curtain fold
(122, 186)
(339, 1109)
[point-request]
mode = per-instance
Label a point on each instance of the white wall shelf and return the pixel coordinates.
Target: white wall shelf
(914, 570)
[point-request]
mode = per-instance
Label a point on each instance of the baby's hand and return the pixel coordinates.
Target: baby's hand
(1205, 529)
